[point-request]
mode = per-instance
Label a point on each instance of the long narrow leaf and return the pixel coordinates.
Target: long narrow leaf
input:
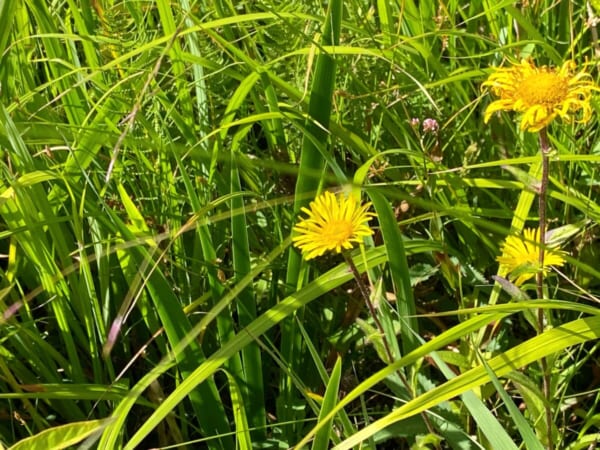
(547, 343)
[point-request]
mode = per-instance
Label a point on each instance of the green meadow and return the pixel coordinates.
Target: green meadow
(160, 287)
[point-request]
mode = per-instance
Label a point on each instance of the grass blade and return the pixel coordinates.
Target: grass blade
(394, 245)
(547, 343)
(60, 437)
(322, 437)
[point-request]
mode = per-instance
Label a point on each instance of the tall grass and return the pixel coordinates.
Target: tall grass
(154, 159)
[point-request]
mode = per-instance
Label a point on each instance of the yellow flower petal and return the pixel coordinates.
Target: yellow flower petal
(520, 256)
(333, 223)
(540, 94)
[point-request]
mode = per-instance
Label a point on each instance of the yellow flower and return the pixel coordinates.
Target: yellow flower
(540, 93)
(333, 223)
(521, 256)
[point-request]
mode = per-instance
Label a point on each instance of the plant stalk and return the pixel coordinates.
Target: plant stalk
(545, 150)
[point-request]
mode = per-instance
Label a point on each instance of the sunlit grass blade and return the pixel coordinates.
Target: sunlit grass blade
(398, 264)
(528, 435)
(488, 424)
(323, 436)
(61, 437)
(547, 343)
(239, 407)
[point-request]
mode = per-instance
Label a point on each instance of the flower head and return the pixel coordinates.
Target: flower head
(334, 223)
(540, 93)
(521, 256)
(430, 126)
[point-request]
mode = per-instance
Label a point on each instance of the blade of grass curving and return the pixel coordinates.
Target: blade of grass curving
(323, 436)
(60, 437)
(545, 344)
(487, 422)
(477, 322)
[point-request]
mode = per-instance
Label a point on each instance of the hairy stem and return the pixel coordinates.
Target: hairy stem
(545, 150)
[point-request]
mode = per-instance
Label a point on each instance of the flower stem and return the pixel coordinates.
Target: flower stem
(367, 297)
(545, 150)
(365, 293)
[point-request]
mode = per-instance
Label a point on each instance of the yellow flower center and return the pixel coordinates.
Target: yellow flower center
(337, 231)
(543, 88)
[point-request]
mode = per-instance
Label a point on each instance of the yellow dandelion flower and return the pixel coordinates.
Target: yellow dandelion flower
(334, 223)
(520, 255)
(540, 93)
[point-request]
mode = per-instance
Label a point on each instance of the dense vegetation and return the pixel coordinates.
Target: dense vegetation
(155, 156)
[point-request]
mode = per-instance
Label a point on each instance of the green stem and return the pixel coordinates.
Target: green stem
(545, 150)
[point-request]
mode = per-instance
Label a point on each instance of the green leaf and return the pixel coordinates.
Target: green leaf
(398, 264)
(545, 344)
(322, 437)
(60, 437)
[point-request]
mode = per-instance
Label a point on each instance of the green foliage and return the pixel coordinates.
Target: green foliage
(154, 157)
